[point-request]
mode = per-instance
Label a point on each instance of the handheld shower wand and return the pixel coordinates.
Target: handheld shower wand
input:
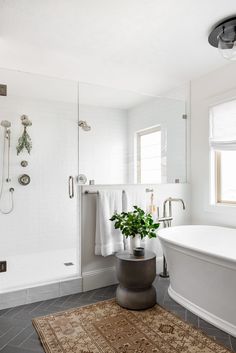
(7, 141)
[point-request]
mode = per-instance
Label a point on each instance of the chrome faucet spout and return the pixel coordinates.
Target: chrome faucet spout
(179, 200)
(170, 200)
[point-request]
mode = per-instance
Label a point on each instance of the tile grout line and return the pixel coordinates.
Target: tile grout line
(9, 309)
(9, 329)
(20, 345)
(38, 306)
(230, 342)
(12, 338)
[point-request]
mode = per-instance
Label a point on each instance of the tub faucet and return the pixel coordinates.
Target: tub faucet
(170, 200)
(167, 223)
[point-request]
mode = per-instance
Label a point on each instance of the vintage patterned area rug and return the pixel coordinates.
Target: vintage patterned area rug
(106, 327)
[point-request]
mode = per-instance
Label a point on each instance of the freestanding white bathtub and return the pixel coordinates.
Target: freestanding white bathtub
(202, 266)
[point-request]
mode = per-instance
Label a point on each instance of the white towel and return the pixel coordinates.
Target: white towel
(133, 197)
(108, 240)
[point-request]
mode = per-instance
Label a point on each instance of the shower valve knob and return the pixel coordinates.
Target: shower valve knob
(24, 164)
(24, 179)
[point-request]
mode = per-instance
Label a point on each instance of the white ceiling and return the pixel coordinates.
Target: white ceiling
(147, 46)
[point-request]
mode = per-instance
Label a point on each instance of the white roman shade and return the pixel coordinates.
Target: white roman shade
(223, 126)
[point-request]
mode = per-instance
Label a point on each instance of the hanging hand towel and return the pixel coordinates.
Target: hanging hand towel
(108, 240)
(133, 197)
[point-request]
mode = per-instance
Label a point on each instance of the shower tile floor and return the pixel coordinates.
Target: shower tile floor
(45, 266)
(17, 334)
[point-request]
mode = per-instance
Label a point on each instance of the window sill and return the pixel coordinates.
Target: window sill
(224, 204)
(221, 208)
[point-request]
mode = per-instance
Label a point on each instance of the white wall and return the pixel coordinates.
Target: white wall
(209, 89)
(97, 269)
(103, 150)
(167, 113)
(44, 218)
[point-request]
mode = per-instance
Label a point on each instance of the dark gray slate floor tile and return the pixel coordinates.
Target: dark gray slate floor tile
(24, 335)
(233, 343)
(17, 334)
(191, 318)
(13, 349)
(32, 344)
(3, 312)
(9, 335)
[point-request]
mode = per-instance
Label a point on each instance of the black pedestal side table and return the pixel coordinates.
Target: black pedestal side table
(135, 276)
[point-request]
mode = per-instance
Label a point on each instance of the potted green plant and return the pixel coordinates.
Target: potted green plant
(136, 225)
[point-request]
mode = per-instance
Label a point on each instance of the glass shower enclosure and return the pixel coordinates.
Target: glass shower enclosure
(39, 242)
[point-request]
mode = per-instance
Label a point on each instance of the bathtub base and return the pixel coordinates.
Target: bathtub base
(203, 314)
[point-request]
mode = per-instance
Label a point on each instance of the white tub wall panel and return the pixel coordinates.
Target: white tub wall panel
(92, 263)
(99, 278)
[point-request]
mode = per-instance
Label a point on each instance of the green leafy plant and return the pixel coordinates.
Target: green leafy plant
(136, 222)
(24, 142)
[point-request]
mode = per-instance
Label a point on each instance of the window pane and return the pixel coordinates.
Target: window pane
(228, 176)
(150, 157)
(223, 121)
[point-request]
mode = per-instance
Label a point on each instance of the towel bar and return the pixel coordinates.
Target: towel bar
(86, 192)
(90, 192)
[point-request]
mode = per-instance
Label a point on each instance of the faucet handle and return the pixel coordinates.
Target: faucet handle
(165, 219)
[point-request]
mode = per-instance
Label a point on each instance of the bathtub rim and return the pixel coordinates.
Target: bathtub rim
(192, 249)
(202, 313)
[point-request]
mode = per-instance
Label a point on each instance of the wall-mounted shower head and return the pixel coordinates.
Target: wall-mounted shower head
(84, 125)
(6, 124)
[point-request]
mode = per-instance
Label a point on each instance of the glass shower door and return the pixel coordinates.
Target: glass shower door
(39, 238)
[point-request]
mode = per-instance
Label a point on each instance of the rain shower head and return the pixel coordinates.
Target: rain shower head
(5, 123)
(84, 125)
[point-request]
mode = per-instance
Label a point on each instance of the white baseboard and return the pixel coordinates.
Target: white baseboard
(203, 314)
(99, 278)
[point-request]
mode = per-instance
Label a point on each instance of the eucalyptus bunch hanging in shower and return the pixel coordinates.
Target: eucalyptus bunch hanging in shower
(25, 140)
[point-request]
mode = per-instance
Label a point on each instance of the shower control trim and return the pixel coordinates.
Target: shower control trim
(24, 179)
(24, 164)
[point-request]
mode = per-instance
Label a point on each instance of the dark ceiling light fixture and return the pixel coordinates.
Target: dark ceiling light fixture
(223, 37)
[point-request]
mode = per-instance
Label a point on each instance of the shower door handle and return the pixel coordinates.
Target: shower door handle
(71, 187)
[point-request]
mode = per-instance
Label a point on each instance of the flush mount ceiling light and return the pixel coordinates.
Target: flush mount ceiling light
(223, 37)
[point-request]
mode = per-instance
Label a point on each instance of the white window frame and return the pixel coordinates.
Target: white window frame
(215, 159)
(218, 194)
(138, 158)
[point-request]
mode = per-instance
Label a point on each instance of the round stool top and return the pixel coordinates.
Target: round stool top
(126, 256)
